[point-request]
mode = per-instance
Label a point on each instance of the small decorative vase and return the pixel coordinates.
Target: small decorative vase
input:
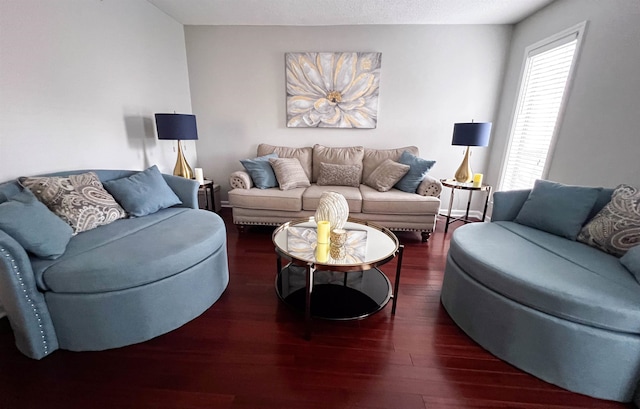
(334, 208)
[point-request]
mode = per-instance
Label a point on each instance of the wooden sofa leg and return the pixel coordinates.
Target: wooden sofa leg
(241, 228)
(425, 236)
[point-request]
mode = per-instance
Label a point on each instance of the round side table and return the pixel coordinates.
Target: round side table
(453, 185)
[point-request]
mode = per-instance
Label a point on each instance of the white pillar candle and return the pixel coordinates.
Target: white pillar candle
(323, 231)
(199, 176)
(322, 252)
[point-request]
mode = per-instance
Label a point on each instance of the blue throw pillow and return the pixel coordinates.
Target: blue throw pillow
(418, 168)
(261, 171)
(631, 260)
(142, 193)
(34, 226)
(558, 209)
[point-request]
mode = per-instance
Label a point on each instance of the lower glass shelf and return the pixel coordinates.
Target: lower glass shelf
(335, 295)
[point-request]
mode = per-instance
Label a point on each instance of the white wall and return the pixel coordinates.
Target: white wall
(80, 81)
(431, 77)
(598, 142)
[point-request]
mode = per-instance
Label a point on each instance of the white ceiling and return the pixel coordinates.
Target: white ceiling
(347, 12)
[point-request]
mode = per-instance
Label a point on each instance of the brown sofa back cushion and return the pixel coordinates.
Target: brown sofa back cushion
(374, 157)
(302, 154)
(351, 155)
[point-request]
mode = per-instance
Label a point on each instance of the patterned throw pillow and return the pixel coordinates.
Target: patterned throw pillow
(289, 173)
(80, 200)
(339, 175)
(616, 228)
(387, 174)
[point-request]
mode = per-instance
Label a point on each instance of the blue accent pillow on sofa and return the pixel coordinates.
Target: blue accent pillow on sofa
(34, 226)
(261, 171)
(418, 168)
(558, 209)
(142, 193)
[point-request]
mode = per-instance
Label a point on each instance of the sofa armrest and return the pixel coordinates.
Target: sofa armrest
(507, 204)
(240, 180)
(429, 186)
(25, 306)
(185, 189)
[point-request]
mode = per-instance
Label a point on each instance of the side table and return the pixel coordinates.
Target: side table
(453, 185)
(211, 196)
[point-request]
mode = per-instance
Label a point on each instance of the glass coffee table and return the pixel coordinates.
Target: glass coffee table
(336, 284)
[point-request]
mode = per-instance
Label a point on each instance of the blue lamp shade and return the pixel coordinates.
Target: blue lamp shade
(471, 134)
(179, 127)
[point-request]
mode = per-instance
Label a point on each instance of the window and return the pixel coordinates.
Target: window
(545, 79)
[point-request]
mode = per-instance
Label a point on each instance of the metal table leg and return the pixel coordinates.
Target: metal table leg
(466, 215)
(486, 203)
(446, 226)
(396, 285)
(307, 305)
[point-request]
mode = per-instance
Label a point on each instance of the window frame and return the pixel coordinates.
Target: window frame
(532, 50)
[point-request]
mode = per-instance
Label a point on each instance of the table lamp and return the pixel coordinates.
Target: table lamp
(180, 127)
(469, 134)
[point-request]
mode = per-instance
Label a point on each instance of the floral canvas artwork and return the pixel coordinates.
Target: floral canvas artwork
(332, 90)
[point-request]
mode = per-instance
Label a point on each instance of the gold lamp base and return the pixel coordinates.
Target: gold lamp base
(464, 174)
(182, 167)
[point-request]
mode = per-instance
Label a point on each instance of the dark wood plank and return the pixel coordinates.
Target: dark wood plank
(248, 352)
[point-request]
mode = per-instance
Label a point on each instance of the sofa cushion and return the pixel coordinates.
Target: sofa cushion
(311, 197)
(557, 208)
(551, 274)
(631, 260)
(581, 255)
(396, 201)
(94, 261)
(304, 155)
(352, 155)
(374, 157)
(616, 228)
(418, 169)
(289, 173)
(143, 192)
(386, 175)
(339, 175)
(267, 199)
(33, 226)
(80, 200)
(261, 171)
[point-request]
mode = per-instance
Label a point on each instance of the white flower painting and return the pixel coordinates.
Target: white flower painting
(332, 90)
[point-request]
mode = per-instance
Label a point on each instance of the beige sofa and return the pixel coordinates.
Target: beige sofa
(394, 209)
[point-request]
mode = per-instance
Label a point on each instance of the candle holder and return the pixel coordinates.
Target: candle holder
(338, 237)
(337, 252)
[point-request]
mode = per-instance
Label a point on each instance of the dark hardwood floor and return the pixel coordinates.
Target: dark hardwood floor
(248, 352)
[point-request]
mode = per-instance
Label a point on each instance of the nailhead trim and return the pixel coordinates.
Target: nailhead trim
(278, 224)
(15, 268)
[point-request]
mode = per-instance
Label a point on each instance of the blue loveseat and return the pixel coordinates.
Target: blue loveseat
(559, 309)
(118, 284)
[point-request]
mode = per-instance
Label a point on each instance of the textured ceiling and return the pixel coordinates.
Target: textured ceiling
(347, 12)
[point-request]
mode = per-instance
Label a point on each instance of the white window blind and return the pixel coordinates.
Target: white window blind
(544, 81)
